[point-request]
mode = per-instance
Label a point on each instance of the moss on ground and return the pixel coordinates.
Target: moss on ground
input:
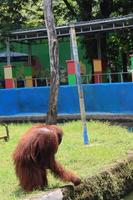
(113, 183)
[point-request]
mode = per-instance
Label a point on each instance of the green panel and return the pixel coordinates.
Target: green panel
(72, 79)
(40, 51)
(19, 71)
(64, 52)
(81, 52)
(131, 62)
(27, 71)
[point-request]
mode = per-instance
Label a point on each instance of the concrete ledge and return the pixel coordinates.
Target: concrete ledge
(55, 194)
(64, 193)
(65, 117)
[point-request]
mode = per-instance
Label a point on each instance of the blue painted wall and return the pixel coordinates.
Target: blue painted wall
(99, 98)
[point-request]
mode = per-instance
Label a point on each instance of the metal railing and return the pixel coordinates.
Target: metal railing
(33, 82)
(86, 79)
(107, 77)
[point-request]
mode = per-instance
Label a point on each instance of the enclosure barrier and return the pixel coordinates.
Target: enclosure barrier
(116, 98)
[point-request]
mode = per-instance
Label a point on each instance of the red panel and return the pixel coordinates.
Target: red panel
(97, 77)
(71, 67)
(70, 63)
(8, 66)
(71, 70)
(9, 83)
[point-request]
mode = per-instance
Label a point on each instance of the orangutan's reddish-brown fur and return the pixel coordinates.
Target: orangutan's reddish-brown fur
(35, 153)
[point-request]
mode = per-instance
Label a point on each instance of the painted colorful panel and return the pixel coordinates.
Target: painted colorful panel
(28, 81)
(27, 71)
(8, 72)
(71, 67)
(71, 79)
(9, 83)
(71, 70)
(97, 63)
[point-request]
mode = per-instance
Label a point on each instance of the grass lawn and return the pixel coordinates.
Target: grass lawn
(107, 144)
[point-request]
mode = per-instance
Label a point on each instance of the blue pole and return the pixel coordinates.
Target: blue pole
(79, 84)
(85, 135)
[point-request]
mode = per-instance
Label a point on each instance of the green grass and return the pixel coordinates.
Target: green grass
(107, 144)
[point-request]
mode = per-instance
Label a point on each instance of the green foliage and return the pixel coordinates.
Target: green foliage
(10, 12)
(107, 144)
(33, 13)
(12, 16)
(62, 14)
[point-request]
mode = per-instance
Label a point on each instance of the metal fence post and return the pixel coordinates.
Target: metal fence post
(110, 80)
(121, 77)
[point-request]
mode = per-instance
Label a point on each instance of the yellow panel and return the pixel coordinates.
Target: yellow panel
(8, 72)
(28, 81)
(97, 63)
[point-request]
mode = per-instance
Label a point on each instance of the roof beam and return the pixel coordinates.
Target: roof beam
(94, 26)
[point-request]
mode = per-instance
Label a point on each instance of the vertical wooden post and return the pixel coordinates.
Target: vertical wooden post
(8, 51)
(9, 81)
(97, 63)
(29, 53)
(99, 54)
(79, 85)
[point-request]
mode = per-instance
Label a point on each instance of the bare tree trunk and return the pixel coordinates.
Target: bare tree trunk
(54, 62)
